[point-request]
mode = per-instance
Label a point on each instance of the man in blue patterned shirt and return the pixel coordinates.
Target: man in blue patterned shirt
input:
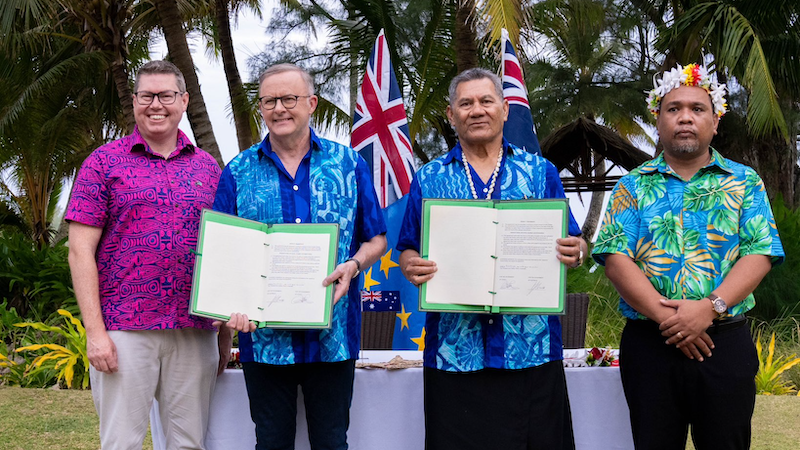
(686, 239)
(491, 381)
(293, 176)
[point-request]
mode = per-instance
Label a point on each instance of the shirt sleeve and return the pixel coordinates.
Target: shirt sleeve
(554, 189)
(225, 199)
(369, 217)
(409, 237)
(620, 227)
(88, 203)
(758, 233)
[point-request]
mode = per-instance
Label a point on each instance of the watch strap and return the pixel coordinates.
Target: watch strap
(358, 266)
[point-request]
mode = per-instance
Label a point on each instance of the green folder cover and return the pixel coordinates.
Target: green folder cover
(271, 272)
(494, 256)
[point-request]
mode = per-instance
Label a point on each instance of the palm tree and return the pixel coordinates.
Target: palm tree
(175, 35)
(113, 29)
(584, 71)
(46, 141)
(243, 119)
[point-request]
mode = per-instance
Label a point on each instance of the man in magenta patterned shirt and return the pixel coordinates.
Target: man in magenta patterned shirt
(134, 216)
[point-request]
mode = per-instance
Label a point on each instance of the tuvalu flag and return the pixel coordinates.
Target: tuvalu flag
(519, 128)
(380, 134)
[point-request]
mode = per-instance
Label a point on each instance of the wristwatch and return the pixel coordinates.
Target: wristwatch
(358, 266)
(719, 305)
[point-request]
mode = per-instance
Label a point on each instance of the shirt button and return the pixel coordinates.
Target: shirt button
(295, 187)
(491, 321)
(298, 220)
(485, 189)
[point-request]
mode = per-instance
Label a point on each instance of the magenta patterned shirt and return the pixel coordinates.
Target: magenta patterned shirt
(149, 208)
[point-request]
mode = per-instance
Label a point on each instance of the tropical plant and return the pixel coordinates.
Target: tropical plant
(69, 360)
(778, 294)
(34, 281)
(604, 322)
(768, 378)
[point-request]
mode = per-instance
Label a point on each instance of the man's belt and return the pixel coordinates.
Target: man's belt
(726, 324)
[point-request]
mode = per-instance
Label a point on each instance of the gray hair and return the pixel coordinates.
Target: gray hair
(160, 67)
(476, 73)
(286, 67)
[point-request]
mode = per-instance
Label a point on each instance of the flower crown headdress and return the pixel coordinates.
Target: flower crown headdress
(688, 75)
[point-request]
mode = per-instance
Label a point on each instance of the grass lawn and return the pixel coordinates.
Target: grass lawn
(38, 419)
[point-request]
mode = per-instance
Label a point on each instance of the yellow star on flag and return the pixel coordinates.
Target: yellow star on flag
(368, 281)
(403, 316)
(387, 263)
(420, 341)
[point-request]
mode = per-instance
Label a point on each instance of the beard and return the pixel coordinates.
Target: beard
(685, 147)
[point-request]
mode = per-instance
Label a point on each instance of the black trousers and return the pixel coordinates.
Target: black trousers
(666, 391)
(495, 409)
(327, 392)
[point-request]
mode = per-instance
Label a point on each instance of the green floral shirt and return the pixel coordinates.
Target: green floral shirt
(687, 235)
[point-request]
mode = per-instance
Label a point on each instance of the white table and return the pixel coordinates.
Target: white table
(387, 411)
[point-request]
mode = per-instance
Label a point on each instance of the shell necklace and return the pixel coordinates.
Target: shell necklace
(494, 174)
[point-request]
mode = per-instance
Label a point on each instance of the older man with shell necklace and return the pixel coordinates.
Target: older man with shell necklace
(491, 381)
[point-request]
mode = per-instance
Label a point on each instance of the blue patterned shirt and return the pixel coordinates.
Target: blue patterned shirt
(331, 185)
(687, 235)
(468, 342)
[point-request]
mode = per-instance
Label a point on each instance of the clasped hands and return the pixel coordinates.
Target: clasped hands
(686, 327)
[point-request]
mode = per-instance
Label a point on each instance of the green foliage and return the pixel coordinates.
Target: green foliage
(35, 281)
(605, 322)
(768, 378)
(778, 295)
(69, 360)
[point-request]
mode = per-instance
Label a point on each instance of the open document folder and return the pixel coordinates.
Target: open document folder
(494, 256)
(273, 273)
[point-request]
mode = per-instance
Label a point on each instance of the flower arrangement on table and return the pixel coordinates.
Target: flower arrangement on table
(234, 362)
(591, 357)
(602, 358)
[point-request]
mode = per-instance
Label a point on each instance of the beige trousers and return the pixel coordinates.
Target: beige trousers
(176, 367)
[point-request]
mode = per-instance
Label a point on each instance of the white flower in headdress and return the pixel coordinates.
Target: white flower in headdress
(689, 75)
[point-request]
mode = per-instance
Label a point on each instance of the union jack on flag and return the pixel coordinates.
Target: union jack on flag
(380, 300)
(519, 128)
(380, 127)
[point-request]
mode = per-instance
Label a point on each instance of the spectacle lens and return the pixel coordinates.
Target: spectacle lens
(165, 97)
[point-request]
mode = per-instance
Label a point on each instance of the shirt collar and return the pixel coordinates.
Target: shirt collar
(183, 143)
(456, 152)
(658, 164)
(265, 147)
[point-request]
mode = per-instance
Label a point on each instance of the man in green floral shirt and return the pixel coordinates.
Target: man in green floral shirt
(686, 239)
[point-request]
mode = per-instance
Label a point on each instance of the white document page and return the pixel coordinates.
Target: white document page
(299, 264)
(234, 260)
(461, 243)
(528, 271)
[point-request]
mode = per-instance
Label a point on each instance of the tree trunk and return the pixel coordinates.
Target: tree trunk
(179, 53)
(596, 204)
(465, 36)
(119, 70)
(241, 111)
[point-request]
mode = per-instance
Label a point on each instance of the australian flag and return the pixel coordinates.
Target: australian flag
(519, 129)
(380, 300)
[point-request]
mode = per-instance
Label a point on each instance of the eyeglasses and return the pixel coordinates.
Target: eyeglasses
(288, 101)
(165, 97)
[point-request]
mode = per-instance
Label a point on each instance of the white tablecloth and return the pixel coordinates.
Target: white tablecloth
(387, 412)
